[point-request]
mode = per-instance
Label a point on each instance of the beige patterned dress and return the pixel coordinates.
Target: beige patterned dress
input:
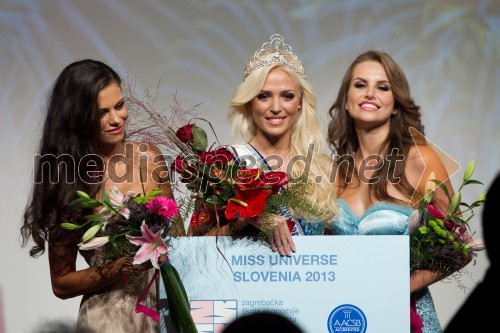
(112, 310)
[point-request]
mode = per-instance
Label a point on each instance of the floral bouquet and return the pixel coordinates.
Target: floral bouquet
(234, 190)
(439, 241)
(214, 182)
(135, 226)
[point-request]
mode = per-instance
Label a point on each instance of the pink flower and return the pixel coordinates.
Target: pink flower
(152, 246)
(416, 323)
(118, 201)
(163, 206)
(435, 212)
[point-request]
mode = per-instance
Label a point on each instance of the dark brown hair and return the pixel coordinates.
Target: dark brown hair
(342, 135)
(68, 151)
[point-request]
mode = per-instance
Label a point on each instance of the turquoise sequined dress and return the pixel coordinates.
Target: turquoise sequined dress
(384, 218)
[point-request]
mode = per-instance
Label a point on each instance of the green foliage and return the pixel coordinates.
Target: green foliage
(200, 141)
(295, 198)
(144, 199)
(441, 243)
(177, 298)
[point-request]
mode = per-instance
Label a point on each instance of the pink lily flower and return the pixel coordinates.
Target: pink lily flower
(435, 212)
(118, 201)
(152, 246)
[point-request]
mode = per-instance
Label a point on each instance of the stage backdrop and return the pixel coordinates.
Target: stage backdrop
(449, 49)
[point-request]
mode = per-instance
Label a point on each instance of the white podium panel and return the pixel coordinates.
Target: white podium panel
(331, 284)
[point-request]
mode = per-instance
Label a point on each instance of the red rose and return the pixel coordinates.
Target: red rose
(185, 133)
(224, 155)
(276, 179)
(188, 172)
(220, 156)
(207, 157)
(256, 178)
(179, 164)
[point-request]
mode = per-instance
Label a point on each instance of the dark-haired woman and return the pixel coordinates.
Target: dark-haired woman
(82, 147)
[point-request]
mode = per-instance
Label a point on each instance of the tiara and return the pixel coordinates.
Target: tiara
(274, 52)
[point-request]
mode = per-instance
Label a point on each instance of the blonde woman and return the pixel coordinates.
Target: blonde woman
(273, 112)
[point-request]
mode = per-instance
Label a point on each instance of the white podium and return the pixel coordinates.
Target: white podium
(357, 284)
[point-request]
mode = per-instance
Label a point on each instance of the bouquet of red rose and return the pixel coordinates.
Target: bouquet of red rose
(135, 226)
(220, 186)
(235, 191)
(213, 181)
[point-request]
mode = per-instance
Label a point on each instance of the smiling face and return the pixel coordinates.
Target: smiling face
(370, 101)
(113, 114)
(276, 107)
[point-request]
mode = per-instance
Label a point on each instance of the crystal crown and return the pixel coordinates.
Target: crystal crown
(274, 52)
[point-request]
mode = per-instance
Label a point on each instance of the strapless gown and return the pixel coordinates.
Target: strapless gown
(384, 218)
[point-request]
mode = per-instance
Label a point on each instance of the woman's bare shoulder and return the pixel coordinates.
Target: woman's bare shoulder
(423, 157)
(422, 162)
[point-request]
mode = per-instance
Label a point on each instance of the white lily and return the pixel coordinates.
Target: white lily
(414, 221)
(94, 243)
(476, 245)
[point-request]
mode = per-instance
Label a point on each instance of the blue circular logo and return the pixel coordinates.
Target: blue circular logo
(347, 318)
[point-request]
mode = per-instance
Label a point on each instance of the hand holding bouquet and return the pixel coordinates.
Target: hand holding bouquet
(221, 186)
(440, 241)
(135, 226)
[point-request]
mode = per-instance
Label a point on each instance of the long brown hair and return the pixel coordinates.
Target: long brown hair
(342, 135)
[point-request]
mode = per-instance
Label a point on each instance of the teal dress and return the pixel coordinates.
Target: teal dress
(384, 218)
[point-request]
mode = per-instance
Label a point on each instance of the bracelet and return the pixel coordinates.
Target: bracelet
(127, 264)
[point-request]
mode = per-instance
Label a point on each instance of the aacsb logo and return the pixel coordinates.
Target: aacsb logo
(347, 318)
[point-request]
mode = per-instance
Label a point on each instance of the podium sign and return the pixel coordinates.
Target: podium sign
(331, 284)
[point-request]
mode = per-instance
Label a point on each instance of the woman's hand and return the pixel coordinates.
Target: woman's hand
(279, 236)
(423, 278)
(127, 264)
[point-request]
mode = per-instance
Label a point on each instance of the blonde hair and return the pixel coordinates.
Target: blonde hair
(305, 132)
